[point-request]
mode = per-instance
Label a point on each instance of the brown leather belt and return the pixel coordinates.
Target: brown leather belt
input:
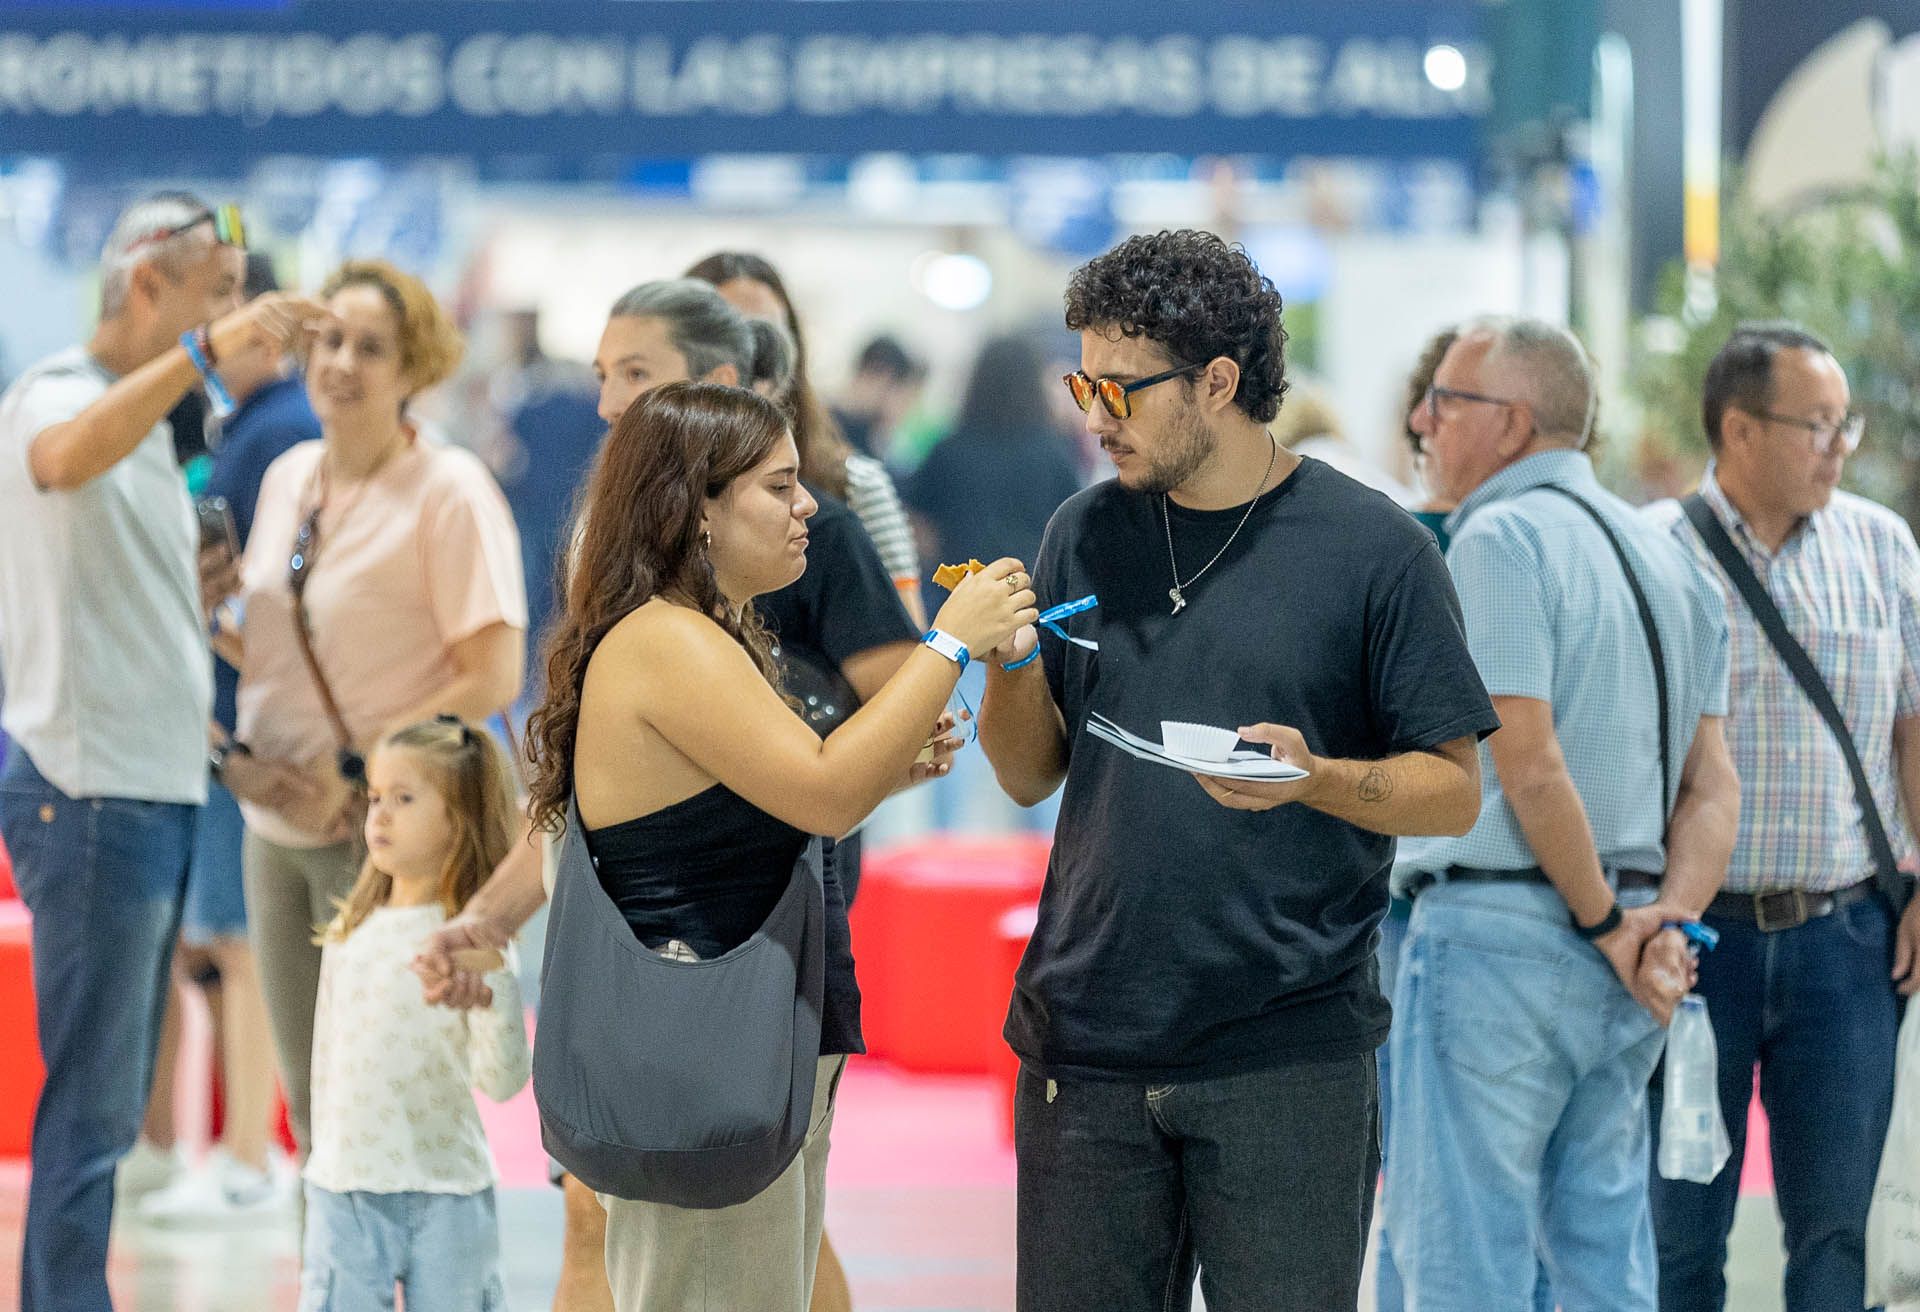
(1788, 908)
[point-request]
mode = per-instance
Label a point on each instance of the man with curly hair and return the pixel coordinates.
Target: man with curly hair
(1197, 1015)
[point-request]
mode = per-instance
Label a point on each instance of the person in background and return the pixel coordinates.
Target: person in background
(886, 384)
(1803, 982)
(828, 463)
(550, 429)
(1309, 427)
(1539, 972)
(236, 1182)
(986, 490)
(381, 586)
(103, 654)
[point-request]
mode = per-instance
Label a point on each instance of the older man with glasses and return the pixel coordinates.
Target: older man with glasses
(1823, 592)
(103, 651)
(1539, 971)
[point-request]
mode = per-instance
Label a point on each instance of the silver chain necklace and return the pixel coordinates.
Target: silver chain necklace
(1177, 593)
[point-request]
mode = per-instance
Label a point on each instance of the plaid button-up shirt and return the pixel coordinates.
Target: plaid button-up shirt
(1848, 585)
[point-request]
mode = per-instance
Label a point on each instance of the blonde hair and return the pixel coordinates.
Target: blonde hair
(470, 773)
(430, 346)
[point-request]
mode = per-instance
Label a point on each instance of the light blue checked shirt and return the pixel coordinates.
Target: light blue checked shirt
(1550, 616)
(1848, 585)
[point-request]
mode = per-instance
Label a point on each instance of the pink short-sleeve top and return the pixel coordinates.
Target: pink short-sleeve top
(421, 556)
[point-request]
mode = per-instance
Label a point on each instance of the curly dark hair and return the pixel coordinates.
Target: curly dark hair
(1195, 296)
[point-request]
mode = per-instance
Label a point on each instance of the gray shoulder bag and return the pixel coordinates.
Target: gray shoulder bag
(689, 1083)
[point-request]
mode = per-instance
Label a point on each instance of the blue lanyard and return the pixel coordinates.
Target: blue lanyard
(1050, 619)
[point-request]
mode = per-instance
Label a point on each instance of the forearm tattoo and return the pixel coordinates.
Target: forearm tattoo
(1376, 786)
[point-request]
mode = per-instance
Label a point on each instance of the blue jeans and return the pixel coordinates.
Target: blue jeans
(216, 904)
(1813, 1006)
(1263, 1181)
(1389, 1294)
(103, 877)
(1520, 1069)
(442, 1249)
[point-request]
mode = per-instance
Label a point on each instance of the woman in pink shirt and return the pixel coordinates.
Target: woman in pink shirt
(381, 586)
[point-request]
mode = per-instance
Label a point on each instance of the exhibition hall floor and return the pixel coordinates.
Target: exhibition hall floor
(920, 1204)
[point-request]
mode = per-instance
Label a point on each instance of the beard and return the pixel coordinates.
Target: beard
(1184, 450)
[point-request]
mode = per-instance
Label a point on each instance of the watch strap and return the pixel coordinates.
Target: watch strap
(1601, 928)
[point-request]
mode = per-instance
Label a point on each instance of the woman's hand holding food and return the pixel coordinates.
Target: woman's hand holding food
(989, 606)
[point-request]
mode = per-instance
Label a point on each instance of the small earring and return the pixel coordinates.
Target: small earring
(706, 538)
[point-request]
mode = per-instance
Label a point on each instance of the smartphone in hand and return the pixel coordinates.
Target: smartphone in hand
(216, 525)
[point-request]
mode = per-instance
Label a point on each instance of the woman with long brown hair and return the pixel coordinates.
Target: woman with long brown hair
(698, 786)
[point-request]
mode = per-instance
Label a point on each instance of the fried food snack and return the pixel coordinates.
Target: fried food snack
(949, 576)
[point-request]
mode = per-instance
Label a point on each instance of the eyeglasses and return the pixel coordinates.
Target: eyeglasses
(1435, 393)
(229, 229)
(1822, 434)
(300, 564)
(1116, 396)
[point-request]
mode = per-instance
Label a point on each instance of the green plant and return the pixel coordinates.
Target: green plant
(1846, 267)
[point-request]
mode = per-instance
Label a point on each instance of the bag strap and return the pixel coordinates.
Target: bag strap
(1654, 648)
(327, 703)
(1892, 884)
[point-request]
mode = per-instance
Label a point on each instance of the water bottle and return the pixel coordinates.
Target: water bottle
(1693, 1135)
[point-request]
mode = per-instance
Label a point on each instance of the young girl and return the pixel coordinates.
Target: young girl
(400, 1185)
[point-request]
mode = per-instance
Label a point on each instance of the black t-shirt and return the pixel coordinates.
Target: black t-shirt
(843, 605)
(1178, 939)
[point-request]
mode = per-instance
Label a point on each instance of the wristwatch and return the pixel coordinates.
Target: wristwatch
(949, 646)
(217, 757)
(1602, 927)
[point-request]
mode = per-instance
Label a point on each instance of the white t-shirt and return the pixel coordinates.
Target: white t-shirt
(103, 649)
(392, 1111)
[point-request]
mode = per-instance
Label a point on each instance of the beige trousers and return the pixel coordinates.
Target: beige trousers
(291, 891)
(757, 1256)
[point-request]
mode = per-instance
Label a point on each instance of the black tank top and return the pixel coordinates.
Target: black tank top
(708, 871)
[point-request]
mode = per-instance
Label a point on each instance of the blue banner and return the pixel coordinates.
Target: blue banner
(662, 78)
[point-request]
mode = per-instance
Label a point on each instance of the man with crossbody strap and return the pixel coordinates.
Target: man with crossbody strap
(1812, 940)
(1538, 977)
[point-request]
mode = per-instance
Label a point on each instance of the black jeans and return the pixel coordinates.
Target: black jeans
(1263, 1182)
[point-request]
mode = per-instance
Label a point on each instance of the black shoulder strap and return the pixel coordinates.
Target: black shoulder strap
(1653, 642)
(1707, 524)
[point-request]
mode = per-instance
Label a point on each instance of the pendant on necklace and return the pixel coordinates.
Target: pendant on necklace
(1179, 602)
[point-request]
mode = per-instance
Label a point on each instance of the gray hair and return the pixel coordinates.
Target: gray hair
(132, 243)
(1544, 365)
(709, 332)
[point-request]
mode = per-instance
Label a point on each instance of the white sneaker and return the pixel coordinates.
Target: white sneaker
(221, 1192)
(147, 1169)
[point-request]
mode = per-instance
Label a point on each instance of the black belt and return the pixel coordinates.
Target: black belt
(1529, 875)
(1788, 908)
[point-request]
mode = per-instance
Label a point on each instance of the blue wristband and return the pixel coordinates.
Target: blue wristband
(217, 394)
(1028, 659)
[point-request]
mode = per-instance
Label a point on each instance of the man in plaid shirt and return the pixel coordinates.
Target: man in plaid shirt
(1803, 982)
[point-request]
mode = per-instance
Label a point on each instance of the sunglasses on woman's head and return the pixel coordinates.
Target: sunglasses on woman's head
(1115, 395)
